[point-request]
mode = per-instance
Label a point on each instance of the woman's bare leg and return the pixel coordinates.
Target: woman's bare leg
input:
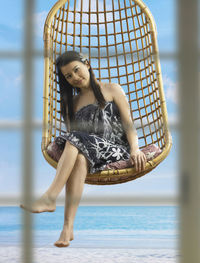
(74, 190)
(47, 203)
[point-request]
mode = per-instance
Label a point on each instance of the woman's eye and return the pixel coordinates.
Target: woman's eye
(76, 69)
(69, 76)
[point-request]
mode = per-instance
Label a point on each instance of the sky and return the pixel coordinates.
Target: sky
(161, 181)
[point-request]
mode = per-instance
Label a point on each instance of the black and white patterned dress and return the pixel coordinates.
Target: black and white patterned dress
(99, 135)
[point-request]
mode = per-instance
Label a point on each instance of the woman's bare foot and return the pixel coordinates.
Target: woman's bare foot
(44, 204)
(65, 236)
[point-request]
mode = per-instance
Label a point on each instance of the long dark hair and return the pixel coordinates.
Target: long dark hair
(66, 90)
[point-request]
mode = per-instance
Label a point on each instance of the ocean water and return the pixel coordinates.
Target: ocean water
(139, 227)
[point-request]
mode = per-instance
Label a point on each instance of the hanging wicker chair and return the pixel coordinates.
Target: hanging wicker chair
(120, 40)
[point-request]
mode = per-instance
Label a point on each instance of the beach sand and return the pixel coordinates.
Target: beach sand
(92, 255)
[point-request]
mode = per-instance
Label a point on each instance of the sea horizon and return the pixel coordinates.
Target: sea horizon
(104, 200)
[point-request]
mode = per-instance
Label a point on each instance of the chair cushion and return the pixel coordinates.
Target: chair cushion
(151, 151)
(54, 151)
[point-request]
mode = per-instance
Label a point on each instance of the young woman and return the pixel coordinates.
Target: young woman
(99, 131)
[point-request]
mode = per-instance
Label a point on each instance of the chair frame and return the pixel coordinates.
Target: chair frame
(107, 176)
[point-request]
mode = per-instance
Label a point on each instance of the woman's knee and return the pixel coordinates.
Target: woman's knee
(80, 169)
(81, 161)
(70, 151)
(69, 147)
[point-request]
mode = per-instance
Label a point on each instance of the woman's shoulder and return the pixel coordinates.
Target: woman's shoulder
(110, 86)
(107, 85)
(111, 89)
(108, 89)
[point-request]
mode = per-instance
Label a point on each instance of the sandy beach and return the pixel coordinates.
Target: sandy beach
(101, 235)
(92, 255)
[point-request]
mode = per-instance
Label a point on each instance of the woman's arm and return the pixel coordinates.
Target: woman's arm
(137, 157)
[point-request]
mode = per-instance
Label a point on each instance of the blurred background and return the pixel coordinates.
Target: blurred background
(162, 183)
(175, 182)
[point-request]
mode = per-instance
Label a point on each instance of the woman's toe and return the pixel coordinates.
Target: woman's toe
(61, 244)
(65, 244)
(57, 244)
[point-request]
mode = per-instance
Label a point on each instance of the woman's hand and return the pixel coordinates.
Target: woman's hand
(138, 159)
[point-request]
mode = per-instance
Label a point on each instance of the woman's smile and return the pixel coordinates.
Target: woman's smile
(79, 81)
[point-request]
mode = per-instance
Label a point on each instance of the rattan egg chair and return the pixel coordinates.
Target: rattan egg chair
(120, 40)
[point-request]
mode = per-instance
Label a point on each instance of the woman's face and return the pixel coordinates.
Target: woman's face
(77, 74)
